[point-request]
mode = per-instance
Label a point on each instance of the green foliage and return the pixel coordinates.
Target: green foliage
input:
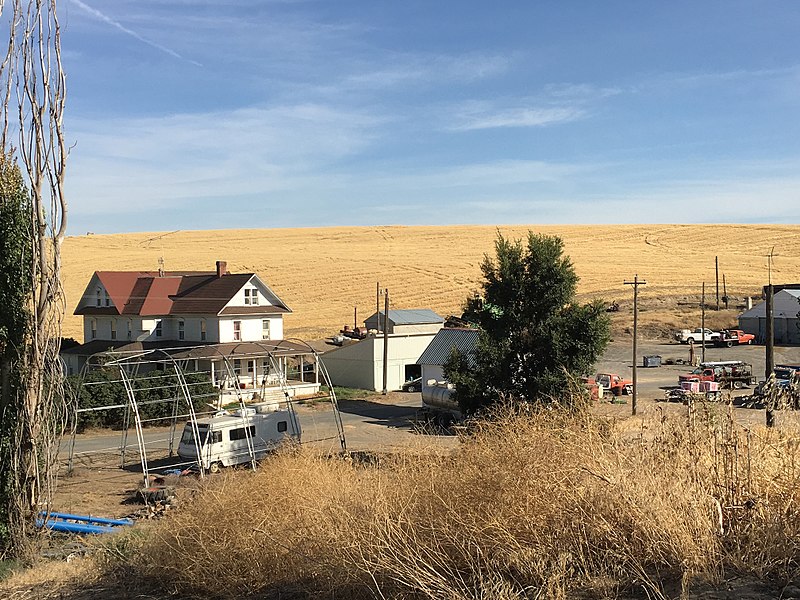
(15, 325)
(102, 387)
(535, 339)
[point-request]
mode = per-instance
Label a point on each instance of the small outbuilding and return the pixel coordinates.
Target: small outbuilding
(785, 316)
(418, 320)
(438, 351)
(360, 364)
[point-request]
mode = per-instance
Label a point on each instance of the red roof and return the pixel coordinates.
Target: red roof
(148, 293)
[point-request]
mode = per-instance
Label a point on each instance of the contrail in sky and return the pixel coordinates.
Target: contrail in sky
(106, 19)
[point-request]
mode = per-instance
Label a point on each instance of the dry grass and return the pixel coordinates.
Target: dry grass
(323, 273)
(539, 506)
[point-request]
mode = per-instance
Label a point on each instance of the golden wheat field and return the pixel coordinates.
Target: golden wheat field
(323, 273)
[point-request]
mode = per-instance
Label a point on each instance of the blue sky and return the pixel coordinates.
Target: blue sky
(205, 114)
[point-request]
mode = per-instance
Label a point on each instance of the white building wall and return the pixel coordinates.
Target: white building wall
(360, 365)
(418, 328)
(251, 328)
(432, 372)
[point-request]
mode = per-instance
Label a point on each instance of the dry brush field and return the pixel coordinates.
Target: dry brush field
(323, 273)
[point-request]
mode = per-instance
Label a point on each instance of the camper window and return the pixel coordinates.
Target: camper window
(216, 437)
(282, 426)
(239, 433)
(188, 435)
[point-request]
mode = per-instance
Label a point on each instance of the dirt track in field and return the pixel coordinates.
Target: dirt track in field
(322, 274)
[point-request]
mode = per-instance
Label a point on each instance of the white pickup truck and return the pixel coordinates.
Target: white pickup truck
(690, 336)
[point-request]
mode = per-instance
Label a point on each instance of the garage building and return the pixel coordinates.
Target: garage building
(786, 320)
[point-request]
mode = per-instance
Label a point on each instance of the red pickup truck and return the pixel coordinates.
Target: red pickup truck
(730, 373)
(734, 337)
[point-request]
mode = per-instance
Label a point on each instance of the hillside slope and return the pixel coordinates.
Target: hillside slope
(324, 273)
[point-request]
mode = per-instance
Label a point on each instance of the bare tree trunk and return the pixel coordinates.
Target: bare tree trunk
(33, 103)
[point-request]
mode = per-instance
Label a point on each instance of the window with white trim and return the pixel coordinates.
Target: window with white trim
(202, 330)
(130, 328)
(265, 329)
(99, 297)
(113, 329)
(237, 331)
(159, 328)
(181, 329)
(94, 328)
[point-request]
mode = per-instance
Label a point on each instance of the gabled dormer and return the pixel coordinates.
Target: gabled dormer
(254, 296)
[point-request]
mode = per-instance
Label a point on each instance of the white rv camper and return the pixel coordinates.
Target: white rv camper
(226, 439)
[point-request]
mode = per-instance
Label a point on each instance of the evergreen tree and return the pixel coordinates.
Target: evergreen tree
(535, 338)
(15, 289)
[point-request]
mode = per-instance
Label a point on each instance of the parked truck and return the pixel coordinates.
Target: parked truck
(730, 373)
(734, 337)
(228, 439)
(617, 385)
(692, 336)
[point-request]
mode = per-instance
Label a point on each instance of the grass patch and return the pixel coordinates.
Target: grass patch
(547, 505)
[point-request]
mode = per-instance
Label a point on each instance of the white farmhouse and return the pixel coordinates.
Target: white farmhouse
(217, 318)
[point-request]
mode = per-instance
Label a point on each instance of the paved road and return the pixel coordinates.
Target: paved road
(384, 423)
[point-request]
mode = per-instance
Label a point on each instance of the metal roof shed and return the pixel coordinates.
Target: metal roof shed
(420, 320)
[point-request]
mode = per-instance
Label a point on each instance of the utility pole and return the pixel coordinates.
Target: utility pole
(769, 362)
(716, 269)
(703, 325)
(355, 317)
(769, 345)
(386, 342)
(635, 283)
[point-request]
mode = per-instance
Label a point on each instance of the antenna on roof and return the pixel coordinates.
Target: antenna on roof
(160, 266)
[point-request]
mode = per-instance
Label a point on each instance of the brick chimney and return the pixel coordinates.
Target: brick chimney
(222, 268)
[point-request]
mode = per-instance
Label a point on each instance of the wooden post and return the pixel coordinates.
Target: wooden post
(703, 325)
(378, 303)
(386, 343)
(716, 269)
(724, 291)
(635, 283)
(769, 362)
(355, 317)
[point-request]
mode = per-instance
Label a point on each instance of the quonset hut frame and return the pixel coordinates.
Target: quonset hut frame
(136, 366)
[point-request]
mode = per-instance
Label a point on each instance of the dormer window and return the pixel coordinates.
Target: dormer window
(251, 296)
(99, 297)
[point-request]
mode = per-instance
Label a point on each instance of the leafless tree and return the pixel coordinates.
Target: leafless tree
(32, 133)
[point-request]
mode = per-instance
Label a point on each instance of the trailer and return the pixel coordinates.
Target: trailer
(243, 436)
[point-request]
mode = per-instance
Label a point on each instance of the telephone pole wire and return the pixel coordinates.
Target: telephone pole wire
(635, 283)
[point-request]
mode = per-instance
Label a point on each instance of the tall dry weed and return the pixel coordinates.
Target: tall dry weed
(529, 506)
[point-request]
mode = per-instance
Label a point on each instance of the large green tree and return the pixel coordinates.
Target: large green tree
(535, 338)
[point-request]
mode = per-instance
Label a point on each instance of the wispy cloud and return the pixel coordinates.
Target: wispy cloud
(116, 24)
(476, 118)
